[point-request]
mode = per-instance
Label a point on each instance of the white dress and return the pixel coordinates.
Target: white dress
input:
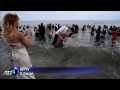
(21, 58)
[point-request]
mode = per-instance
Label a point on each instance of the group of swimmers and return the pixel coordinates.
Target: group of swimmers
(101, 32)
(61, 33)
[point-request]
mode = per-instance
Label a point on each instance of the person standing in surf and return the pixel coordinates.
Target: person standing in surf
(98, 32)
(114, 35)
(49, 31)
(62, 30)
(17, 42)
(92, 30)
(36, 32)
(63, 38)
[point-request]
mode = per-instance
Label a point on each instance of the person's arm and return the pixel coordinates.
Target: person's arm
(59, 34)
(26, 43)
(52, 31)
(24, 33)
(47, 30)
(65, 39)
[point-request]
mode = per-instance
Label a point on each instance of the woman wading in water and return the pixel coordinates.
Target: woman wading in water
(17, 42)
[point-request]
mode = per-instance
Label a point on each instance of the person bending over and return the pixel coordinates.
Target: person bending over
(62, 30)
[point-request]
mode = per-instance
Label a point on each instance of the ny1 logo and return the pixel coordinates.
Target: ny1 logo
(14, 71)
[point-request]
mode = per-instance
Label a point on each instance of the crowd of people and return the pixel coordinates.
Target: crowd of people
(102, 32)
(60, 31)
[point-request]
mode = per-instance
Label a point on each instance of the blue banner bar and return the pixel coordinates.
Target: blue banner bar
(60, 70)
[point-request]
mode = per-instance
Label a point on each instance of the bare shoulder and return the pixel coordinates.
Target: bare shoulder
(20, 34)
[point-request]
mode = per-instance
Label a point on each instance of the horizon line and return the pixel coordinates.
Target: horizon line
(71, 20)
(68, 20)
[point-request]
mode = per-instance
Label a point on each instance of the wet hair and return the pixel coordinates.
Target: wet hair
(99, 27)
(35, 28)
(9, 21)
(110, 27)
(70, 35)
(19, 27)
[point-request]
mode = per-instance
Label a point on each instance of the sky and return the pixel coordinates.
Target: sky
(64, 15)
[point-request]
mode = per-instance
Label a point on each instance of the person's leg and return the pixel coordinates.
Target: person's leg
(35, 34)
(112, 43)
(103, 38)
(42, 35)
(55, 39)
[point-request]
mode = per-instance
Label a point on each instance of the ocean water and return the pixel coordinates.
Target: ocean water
(70, 22)
(78, 51)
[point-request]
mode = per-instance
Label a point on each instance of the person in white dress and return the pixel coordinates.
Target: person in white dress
(17, 42)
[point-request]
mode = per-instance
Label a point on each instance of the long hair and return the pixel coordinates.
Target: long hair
(9, 21)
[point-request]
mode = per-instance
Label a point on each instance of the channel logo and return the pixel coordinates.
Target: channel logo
(14, 71)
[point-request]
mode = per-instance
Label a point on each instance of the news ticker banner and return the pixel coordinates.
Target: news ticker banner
(51, 70)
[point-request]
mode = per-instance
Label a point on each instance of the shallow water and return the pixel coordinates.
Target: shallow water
(78, 51)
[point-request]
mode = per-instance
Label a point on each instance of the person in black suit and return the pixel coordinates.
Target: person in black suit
(42, 30)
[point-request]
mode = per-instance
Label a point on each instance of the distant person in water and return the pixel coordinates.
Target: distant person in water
(42, 30)
(56, 27)
(17, 42)
(36, 32)
(24, 27)
(118, 31)
(110, 30)
(83, 28)
(114, 36)
(92, 30)
(76, 28)
(28, 28)
(20, 29)
(103, 33)
(53, 27)
(98, 32)
(50, 31)
(0, 29)
(63, 30)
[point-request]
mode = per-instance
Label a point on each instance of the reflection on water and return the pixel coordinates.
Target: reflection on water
(78, 51)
